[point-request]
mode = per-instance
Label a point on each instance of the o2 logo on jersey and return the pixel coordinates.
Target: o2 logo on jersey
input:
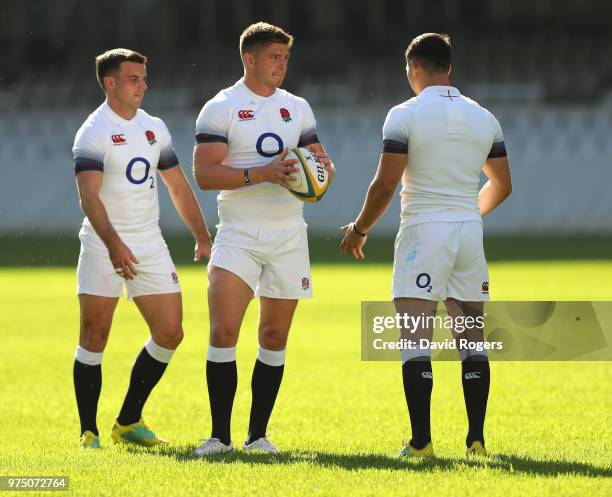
(267, 139)
(423, 280)
(134, 168)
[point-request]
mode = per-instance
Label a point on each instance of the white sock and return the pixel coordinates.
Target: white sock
(158, 353)
(87, 357)
(221, 354)
(271, 357)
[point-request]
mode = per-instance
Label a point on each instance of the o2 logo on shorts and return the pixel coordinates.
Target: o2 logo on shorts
(270, 136)
(423, 280)
(130, 170)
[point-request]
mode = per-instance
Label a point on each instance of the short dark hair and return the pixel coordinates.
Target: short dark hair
(110, 62)
(262, 34)
(433, 51)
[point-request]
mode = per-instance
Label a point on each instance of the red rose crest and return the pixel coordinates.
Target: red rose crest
(150, 137)
(285, 115)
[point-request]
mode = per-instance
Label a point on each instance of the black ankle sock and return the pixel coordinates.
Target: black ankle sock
(265, 384)
(475, 377)
(418, 384)
(222, 381)
(146, 372)
(87, 386)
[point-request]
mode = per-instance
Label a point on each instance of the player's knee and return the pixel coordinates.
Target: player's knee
(272, 337)
(222, 335)
(93, 335)
(176, 336)
(171, 337)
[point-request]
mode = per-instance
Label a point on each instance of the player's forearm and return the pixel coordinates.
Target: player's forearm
(95, 211)
(220, 177)
(188, 208)
(491, 196)
(377, 202)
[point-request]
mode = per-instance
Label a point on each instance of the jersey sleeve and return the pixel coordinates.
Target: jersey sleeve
(308, 135)
(212, 124)
(498, 149)
(396, 132)
(167, 155)
(88, 150)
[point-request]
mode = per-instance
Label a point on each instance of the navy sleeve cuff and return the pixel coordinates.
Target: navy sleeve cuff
(83, 164)
(209, 138)
(168, 163)
(497, 150)
(394, 147)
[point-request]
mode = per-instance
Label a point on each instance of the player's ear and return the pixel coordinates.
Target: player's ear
(109, 82)
(450, 69)
(248, 59)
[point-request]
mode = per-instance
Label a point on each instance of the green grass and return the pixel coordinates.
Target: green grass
(338, 421)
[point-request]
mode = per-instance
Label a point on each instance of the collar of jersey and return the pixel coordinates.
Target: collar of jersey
(252, 95)
(438, 90)
(115, 117)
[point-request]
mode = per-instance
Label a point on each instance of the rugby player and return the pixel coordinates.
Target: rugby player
(437, 144)
(243, 135)
(118, 152)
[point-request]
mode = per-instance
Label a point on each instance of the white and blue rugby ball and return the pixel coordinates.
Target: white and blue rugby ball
(310, 183)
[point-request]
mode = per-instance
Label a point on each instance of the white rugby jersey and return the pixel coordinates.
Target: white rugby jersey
(128, 153)
(256, 129)
(447, 138)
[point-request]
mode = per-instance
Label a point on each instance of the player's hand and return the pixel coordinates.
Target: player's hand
(331, 170)
(352, 242)
(123, 260)
(279, 170)
(327, 163)
(203, 248)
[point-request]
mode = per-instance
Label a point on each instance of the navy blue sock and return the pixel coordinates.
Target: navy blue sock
(265, 385)
(222, 381)
(146, 373)
(476, 378)
(87, 386)
(418, 384)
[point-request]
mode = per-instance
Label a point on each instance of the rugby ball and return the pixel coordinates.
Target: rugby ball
(310, 183)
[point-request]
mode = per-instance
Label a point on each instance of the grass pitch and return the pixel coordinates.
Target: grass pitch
(338, 421)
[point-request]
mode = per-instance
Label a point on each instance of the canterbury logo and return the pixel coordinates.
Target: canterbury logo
(427, 374)
(472, 376)
(118, 138)
(245, 114)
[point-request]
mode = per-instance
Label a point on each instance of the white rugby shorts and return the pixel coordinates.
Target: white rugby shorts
(439, 260)
(274, 262)
(96, 275)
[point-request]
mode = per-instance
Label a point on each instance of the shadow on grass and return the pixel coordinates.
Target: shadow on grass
(361, 461)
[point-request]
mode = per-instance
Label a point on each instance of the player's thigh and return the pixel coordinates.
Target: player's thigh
(423, 260)
(275, 318)
(228, 299)
(469, 279)
(237, 250)
(163, 314)
(96, 318)
(286, 272)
